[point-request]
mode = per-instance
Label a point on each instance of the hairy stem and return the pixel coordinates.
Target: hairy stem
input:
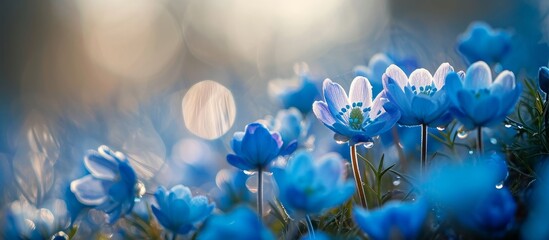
(260, 193)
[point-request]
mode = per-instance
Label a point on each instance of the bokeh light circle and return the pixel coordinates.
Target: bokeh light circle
(208, 109)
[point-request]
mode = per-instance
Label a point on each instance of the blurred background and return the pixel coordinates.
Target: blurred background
(75, 74)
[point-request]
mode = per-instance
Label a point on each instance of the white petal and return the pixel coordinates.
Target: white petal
(361, 91)
(396, 74)
(377, 106)
(504, 82)
(421, 78)
(89, 190)
(440, 75)
(478, 76)
(335, 96)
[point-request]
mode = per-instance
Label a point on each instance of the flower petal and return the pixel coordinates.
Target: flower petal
(200, 209)
(236, 142)
(479, 76)
(361, 91)
(452, 86)
(505, 82)
(396, 74)
(467, 102)
(101, 167)
(89, 190)
(486, 109)
(258, 145)
(239, 162)
(420, 78)
(423, 108)
(335, 97)
(321, 111)
(440, 75)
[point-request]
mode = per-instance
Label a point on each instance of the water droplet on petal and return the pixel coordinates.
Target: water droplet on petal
(441, 128)
(340, 142)
(507, 125)
(471, 152)
(500, 185)
(249, 172)
(520, 127)
(461, 134)
(493, 141)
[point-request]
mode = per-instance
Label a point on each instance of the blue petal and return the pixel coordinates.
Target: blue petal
(182, 192)
(479, 76)
(486, 110)
(200, 209)
(161, 217)
(504, 83)
(371, 223)
(321, 111)
(423, 108)
(236, 142)
(452, 87)
(259, 146)
(543, 78)
(101, 167)
(463, 118)
(509, 100)
(240, 163)
(397, 97)
(467, 103)
(89, 190)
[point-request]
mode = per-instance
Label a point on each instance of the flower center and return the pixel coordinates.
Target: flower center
(356, 118)
(481, 92)
(428, 90)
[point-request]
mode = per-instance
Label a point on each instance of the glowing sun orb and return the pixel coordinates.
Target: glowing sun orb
(208, 109)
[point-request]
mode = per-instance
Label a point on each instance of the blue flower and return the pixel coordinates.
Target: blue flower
(535, 226)
(241, 223)
(111, 185)
(492, 215)
(178, 211)
(394, 220)
(254, 149)
(356, 118)
(375, 69)
(232, 190)
(311, 187)
(543, 78)
(299, 92)
(482, 43)
(421, 98)
(477, 101)
(289, 123)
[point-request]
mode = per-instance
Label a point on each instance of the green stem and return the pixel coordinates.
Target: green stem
(358, 177)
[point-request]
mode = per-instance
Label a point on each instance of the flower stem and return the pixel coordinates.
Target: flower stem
(260, 193)
(310, 228)
(357, 176)
(480, 146)
(423, 149)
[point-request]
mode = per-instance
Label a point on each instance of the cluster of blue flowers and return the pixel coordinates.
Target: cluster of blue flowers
(298, 183)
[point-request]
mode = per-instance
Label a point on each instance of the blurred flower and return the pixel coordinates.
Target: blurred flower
(255, 148)
(535, 226)
(241, 223)
(355, 118)
(24, 221)
(232, 191)
(543, 78)
(493, 214)
(482, 43)
(299, 92)
(178, 211)
(394, 220)
(472, 203)
(111, 185)
(375, 69)
(477, 101)
(293, 130)
(421, 98)
(311, 187)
